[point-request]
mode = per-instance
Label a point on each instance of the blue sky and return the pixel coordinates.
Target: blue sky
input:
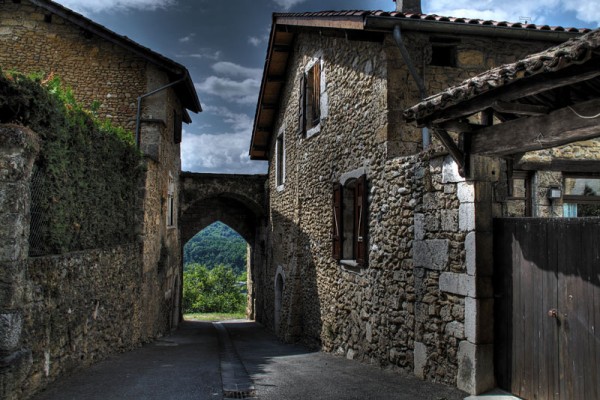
(223, 44)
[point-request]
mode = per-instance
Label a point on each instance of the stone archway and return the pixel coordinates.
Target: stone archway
(239, 202)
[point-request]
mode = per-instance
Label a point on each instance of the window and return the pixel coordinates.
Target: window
(280, 161)
(312, 100)
(171, 202)
(443, 51)
(581, 196)
(350, 220)
(177, 127)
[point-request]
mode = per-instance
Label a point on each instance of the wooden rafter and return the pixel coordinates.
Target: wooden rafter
(540, 132)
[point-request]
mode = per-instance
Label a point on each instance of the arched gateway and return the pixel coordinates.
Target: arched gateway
(239, 201)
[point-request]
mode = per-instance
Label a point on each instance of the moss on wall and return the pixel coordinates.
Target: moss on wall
(87, 174)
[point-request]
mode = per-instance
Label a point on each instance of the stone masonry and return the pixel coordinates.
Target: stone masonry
(73, 309)
(420, 305)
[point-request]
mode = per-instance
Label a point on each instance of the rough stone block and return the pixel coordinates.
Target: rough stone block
(475, 367)
(449, 220)
(471, 253)
(431, 254)
(450, 171)
(14, 368)
(420, 359)
(419, 222)
(11, 325)
(455, 329)
(461, 284)
(479, 320)
(466, 217)
(470, 58)
(466, 192)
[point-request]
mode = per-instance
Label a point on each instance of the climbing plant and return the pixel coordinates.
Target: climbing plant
(88, 171)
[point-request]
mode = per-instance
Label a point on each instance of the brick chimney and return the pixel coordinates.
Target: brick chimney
(409, 6)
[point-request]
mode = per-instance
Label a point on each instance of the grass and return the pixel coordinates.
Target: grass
(212, 317)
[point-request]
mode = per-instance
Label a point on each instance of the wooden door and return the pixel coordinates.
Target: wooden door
(547, 307)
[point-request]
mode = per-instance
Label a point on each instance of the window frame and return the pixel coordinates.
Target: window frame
(311, 82)
(280, 156)
(576, 200)
(171, 213)
(355, 181)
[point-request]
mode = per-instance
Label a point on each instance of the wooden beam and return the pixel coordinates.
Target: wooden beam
(452, 148)
(564, 165)
(519, 109)
(514, 91)
(536, 133)
(458, 126)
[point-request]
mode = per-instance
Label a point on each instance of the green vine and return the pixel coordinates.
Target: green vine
(87, 174)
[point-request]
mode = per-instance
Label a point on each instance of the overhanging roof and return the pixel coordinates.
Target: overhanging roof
(546, 100)
(185, 91)
(365, 25)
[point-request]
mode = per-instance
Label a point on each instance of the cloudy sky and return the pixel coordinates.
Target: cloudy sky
(223, 44)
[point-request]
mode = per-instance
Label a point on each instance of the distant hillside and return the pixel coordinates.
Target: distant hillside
(216, 244)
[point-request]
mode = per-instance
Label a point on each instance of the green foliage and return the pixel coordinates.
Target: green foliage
(214, 245)
(215, 290)
(87, 173)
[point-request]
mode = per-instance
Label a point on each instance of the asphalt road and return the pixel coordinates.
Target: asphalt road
(187, 365)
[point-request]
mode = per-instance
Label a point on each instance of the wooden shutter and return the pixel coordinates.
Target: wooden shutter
(316, 94)
(360, 220)
(302, 106)
(336, 234)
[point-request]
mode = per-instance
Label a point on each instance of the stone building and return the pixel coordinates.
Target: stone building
(137, 286)
(375, 250)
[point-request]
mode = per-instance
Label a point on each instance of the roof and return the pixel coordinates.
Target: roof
(574, 52)
(367, 25)
(185, 91)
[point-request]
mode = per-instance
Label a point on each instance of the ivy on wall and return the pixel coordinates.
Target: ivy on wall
(87, 174)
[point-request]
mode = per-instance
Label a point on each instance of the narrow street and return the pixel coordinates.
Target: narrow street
(188, 365)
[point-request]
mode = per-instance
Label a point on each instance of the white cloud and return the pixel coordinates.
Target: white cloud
(239, 122)
(287, 4)
(235, 83)
(187, 38)
(116, 5)
(222, 153)
(513, 10)
(234, 70)
(205, 54)
(588, 11)
(254, 41)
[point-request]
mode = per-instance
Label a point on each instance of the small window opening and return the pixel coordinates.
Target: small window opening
(280, 160)
(581, 196)
(171, 202)
(443, 55)
(48, 18)
(177, 127)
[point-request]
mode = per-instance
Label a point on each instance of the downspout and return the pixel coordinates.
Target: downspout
(139, 106)
(416, 77)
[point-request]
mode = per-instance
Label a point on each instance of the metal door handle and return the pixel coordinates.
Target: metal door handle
(553, 313)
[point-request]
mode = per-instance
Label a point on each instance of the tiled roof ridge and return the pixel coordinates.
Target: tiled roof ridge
(574, 51)
(429, 17)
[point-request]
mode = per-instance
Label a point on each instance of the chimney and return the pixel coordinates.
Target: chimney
(408, 6)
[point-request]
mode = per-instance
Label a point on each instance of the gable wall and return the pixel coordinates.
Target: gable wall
(408, 309)
(94, 68)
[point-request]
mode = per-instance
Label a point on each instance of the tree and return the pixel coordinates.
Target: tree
(217, 290)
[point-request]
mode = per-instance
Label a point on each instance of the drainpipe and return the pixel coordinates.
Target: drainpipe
(139, 107)
(416, 77)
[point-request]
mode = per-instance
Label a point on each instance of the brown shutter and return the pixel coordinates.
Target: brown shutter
(360, 220)
(302, 106)
(337, 222)
(316, 94)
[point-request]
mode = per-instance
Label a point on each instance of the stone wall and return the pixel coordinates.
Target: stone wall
(419, 304)
(96, 69)
(138, 285)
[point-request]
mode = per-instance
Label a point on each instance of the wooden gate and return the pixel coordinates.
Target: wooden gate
(547, 307)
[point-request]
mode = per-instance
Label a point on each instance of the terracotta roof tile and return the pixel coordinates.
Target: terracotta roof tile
(428, 17)
(575, 51)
